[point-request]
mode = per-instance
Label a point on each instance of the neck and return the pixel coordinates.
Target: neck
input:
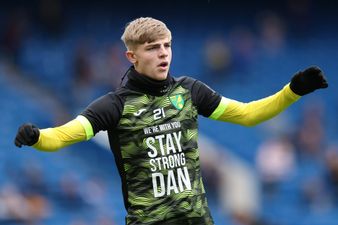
(147, 85)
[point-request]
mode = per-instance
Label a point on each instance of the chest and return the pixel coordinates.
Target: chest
(157, 114)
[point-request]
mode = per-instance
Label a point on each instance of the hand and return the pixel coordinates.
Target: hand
(307, 81)
(28, 134)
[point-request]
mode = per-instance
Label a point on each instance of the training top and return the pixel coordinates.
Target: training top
(153, 129)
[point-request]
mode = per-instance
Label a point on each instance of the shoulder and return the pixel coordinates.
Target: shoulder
(104, 112)
(191, 83)
(109, 101)
(185, 81)
(118, 95)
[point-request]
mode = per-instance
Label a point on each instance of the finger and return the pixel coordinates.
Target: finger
(36, 132)
(323, 81)
(29, 132)
(18, 143)
(317, 69)
(324, 84)
(23, 136)
(313, 70)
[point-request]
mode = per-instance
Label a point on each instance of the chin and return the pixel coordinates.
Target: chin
(160, 76)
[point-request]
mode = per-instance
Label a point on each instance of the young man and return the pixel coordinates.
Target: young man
(152, 127)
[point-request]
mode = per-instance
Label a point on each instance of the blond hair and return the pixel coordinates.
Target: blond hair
(142, 30)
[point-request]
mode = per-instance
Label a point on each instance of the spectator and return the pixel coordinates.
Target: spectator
(331, 171)
(272, 31)
(275, 162)
(13, 35)
(310, 140)
(218, 58)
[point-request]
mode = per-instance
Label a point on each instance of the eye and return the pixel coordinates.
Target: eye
(151, 48)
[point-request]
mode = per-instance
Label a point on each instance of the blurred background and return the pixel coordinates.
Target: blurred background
(56, 56)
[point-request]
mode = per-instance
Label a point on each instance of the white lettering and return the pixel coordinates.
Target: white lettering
(176, 124)
(149, 141)
(166, 185)
(166, 153)
(171, 161)
(182, 159)
(155, 129)
(160, 140)
(171, 182)
(158, 191)
(166, 126)
(153, 165)
(170, 144)
(158, 113)
(165, 163)
(166, 144)
(183, 177)
(147, 130)
(178, 140)
(159, 163)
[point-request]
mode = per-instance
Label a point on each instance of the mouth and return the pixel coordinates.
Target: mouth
(163, 65)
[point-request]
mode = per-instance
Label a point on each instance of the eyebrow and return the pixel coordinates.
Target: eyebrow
(157, 44)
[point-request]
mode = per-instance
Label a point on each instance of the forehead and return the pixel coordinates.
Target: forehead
(158, 41)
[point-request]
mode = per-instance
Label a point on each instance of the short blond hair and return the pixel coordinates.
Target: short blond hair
(142, 30)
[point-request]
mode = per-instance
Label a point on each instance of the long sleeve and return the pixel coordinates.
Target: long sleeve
(255, 112)
(52, 139)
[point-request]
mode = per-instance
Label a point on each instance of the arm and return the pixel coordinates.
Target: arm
(52, 139)
(255, 112)
(101, 114)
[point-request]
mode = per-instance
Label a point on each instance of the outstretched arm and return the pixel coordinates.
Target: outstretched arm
(255, 112)
(52, 139)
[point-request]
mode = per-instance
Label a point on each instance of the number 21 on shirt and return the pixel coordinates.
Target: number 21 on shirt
(158, 113)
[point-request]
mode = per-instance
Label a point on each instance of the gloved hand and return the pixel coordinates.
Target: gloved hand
(308, 80)
(28, 134)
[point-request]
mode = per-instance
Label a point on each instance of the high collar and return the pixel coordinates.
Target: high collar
(142, 83)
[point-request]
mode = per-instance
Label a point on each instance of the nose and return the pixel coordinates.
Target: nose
(163, 52)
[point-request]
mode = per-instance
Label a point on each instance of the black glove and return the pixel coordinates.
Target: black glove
(307, 81)
(28, 134)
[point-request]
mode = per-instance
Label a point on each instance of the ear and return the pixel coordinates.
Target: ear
(131, 56)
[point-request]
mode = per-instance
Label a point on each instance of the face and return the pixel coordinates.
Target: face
(152, 59)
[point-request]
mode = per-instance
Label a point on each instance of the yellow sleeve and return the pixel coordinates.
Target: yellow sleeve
(255, 112)
(52, 139)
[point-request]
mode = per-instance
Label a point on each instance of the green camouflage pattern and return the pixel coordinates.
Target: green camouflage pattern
(160, 157)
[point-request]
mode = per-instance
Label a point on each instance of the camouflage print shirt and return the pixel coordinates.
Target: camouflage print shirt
(152, 127)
